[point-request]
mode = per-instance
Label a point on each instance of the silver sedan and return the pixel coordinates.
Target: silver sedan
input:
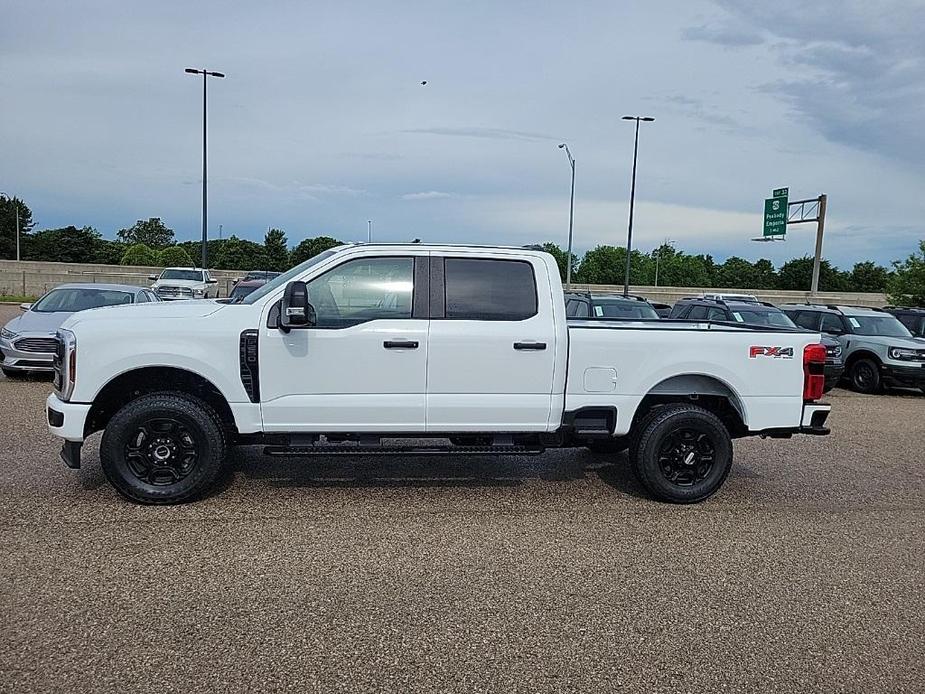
(27, 343)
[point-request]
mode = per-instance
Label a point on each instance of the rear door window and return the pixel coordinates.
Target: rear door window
(482, 289)
(697, 313)
(576, 308)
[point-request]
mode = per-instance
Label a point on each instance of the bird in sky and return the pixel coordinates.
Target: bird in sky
(423, 83)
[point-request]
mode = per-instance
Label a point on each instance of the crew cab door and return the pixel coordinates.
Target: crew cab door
(362, 366)
(493, 346)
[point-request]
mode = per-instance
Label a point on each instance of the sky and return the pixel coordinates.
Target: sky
(322, 122)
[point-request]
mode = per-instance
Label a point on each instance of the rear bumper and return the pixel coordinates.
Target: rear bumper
(903, 376)
(812, 423)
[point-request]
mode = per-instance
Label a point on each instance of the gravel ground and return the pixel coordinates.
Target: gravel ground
(543, 574)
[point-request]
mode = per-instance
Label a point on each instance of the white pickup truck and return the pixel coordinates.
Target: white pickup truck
(458, 349)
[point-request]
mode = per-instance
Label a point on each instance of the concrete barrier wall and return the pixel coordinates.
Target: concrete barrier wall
(32, 278)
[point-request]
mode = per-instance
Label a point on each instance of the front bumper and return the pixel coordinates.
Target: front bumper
(911, 376)
(19, 360)
(67, 420)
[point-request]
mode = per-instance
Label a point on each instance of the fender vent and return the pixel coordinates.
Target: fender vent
(250, 375)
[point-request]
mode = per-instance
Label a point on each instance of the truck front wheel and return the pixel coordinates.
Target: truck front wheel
(163, 448)
(681, 453)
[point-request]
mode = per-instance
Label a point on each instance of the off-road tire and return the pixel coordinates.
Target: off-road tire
(655, 434)
(193, 417)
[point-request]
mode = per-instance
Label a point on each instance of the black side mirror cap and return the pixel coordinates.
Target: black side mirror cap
(295, 310)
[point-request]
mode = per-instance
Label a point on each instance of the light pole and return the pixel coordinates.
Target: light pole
(571, 214)
(369, 231)
(206, 74)
(629, 231)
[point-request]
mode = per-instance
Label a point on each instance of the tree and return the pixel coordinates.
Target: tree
(738, 273)
(309, 248)
(240, 254)
(174, 256)
(276, 250)
(8, 207)
(109, 252)
(152, 232)
(868, 277)
(65, 245)
(797, 274)
(139, 254)
(907, 285)
(561, 260)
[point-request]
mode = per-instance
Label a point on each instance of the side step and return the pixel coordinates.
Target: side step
(350, 450)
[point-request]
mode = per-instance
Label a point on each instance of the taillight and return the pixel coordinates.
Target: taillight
(813, 372)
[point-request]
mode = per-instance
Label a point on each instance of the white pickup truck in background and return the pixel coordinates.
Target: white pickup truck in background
(460, 349)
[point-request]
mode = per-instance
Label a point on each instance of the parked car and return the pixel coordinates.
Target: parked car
(368, 342)
(608, 306)
(749, 310)
(878, 349)
(184, 283)
(663, 310)
(242, 289)
(912, 318)
(27, 343)
(265, 275)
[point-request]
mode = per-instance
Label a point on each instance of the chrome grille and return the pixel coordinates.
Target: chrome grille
(174, 291)
(44, 345)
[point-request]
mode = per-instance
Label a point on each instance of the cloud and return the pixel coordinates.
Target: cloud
(723, 34)
(316, 189)
(859, 69)
(487, 133)
(427, 195)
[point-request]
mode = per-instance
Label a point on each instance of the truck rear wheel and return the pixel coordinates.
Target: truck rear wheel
(681, 453)
(163, 448)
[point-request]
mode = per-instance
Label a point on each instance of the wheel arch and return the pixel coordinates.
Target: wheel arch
(131, 384)
(705, 390)
(862, 354)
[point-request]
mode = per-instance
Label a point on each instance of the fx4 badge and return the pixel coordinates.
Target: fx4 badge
(756, 351)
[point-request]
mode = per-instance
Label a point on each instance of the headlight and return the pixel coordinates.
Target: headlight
(904, 354)
(834, 351)
(199, 292)
(65, 364)
(8, 334)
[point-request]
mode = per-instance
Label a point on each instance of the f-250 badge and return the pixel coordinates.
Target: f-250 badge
(756, 351)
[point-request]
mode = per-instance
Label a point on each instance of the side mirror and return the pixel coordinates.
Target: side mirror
(295, 311)
(834, 332)
(25, 307)
(211, 281)
(153, 278)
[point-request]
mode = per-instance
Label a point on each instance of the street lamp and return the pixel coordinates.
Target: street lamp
(571, 213)
(15, 207)
(369, 231)
(629, 231)
(206, 74)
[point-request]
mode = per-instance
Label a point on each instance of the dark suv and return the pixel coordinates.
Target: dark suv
(878, 350)
(912, 318)
(760, 313)
(608, 306)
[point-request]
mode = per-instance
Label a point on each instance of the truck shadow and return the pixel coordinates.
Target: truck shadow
(565, 465)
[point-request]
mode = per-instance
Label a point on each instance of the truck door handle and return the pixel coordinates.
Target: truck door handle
(533, 346)
(400, 344)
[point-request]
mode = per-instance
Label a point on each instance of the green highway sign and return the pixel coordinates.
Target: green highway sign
(780, 192)
(775, 216)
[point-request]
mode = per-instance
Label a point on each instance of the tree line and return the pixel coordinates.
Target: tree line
(151, 242)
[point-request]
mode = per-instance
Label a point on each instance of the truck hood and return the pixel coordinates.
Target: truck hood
(911, 342)
(171, 310)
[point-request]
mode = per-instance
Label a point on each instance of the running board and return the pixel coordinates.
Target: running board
(400, 450)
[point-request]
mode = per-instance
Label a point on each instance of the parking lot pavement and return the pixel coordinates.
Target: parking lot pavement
(551, 573)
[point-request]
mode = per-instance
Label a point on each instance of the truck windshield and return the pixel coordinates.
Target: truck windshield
(286, 276)
(194, 275)
(885, 326)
